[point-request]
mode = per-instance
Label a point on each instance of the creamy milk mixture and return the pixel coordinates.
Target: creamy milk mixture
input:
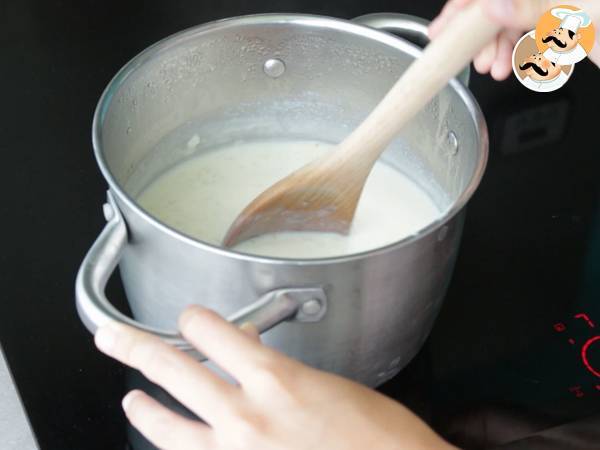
(202, 196)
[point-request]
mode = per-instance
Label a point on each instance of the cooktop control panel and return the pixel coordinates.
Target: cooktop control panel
(579, 336)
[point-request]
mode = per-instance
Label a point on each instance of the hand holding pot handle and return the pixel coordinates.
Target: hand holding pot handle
(275, 402)
(274, 307)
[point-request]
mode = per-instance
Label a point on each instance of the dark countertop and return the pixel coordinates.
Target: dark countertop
(529, 257)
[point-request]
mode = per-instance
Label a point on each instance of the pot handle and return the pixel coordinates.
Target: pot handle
(94, 309)
(405, 25)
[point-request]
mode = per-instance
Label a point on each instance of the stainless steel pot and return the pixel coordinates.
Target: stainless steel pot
(363, 316)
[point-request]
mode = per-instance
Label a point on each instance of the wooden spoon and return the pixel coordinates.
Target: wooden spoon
(323, 195)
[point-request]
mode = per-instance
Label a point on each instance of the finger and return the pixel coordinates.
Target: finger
(163, 427)
(502, 65)
(483, 61)
(251, 331)
(447, 12)
(226, 345)
(194, 385)
(476, 61)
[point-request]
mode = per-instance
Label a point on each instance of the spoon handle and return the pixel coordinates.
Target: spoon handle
(442, 59)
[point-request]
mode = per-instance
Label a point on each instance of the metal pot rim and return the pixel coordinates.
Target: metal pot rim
(330, 22)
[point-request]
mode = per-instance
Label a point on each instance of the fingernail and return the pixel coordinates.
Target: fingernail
(246, 326)
(127, 400)
(502, 10)
(249, 328)
(105, 338)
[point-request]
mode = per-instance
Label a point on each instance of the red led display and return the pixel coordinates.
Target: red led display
(559, 327)
(585, 317)
(584, 355)
(576, 390)
(588, 353)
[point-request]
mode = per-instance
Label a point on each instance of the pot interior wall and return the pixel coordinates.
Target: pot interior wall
(207, 88)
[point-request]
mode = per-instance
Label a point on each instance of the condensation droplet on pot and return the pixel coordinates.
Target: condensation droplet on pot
(443, 233)
(274, 67)
(193, 142)
(452, 143)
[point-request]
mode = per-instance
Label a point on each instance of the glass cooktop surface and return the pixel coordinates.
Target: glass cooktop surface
(514, 356)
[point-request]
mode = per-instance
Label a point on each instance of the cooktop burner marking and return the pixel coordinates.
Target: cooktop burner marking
(584, 356)
(585, 317)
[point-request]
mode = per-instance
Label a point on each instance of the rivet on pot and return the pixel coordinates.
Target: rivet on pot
(452, 143)
(274, 67)
(108, 211)
(311, 307)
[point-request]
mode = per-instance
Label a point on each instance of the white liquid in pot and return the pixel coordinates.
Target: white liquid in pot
(202, 196)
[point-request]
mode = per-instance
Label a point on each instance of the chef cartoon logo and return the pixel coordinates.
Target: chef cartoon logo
(565, 35)
(534, 70)
(544, 59)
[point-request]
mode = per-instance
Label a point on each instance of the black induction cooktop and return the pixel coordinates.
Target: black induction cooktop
(514, 358)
